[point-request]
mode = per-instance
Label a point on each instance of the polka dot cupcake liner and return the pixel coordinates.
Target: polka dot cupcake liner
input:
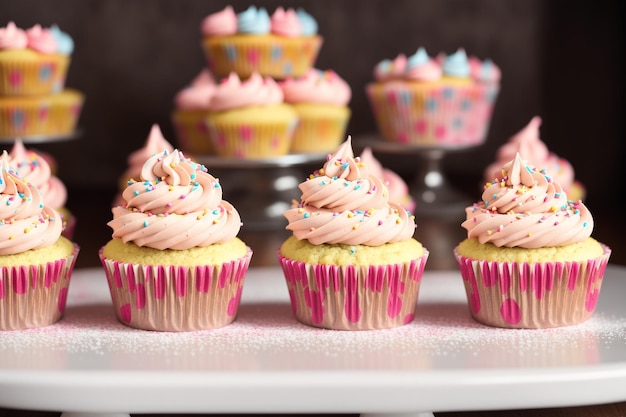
(270, 55)
(176, 298)
(247, 140)
(440, 115)
(34, 296)
(353, 297)
(532, 296)
(54, 114)
(33, 74)
(192, 132)
(320, 131)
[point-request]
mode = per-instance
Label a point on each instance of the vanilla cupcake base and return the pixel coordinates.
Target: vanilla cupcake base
(532, 295)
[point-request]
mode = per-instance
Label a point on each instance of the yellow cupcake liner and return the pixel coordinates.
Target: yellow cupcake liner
(55, 114)
(192, 132)
(34, 296)
(33, 74)
(251, 140)
(320, 132)
(269, 55)
(452, 116)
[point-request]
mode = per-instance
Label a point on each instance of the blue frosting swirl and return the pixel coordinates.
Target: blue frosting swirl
(253, 21)
(418, 58)
(457, 65)
(308, 22)
(65, 43)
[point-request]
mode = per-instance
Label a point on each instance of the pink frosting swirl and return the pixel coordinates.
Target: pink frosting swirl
(25, 222)
(527, 209)
(317, 87)
(286, 23)
(343, 203)
(387, 70)
(221, 23)
(532, 149)
(41, 40)
(12, 37)
(232, 93)
(197, 96)
(33, 168)
(177, 205)
(155, 144)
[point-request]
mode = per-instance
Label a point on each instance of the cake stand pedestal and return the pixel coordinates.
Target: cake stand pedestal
(432, 192)
(260, 189)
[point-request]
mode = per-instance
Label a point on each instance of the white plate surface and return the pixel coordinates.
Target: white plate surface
(266, 362)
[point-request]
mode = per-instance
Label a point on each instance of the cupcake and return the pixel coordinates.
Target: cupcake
(535, 152)
(444, 102)
(36, 262)
(174, 262)
(529, 260)
(33, 61)
(398, 189)
(189, 117)
(352, 262)
(34, 169)
(249, 118)
(48, 115)
(320, 98)
(281, 45)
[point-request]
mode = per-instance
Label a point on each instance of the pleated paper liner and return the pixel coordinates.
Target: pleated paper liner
(176, 298)
(34, 296)
(29, 73)
(354, 297)
(533, 296)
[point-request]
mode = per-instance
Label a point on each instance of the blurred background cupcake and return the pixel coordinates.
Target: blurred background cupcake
(445, 102)
(189, 118)
(249, 118)
(320, 98)
(534, 151)
(281, 45)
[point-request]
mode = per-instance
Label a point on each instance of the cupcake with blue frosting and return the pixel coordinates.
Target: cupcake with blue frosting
(278, 45)
(444, 101)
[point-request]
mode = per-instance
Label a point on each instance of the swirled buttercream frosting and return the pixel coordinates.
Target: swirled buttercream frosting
(12, 37)
(221, 23)
(176, 204)
(155, 144)
(317, 87)
(254, 21)
(232, 93)
(343, 203)
(198, 94)
(41, 40)
(526, 208)
(33, 168)
(257, 21)
(25, 221)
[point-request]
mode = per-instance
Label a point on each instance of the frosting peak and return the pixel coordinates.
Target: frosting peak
(316, 86)
(286, 23)
(176, 204)
(343, 203)
(526, 208)
(221, 23)
(255, 91)
(12, 37)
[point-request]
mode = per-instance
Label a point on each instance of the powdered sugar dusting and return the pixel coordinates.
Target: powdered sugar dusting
(266, 336)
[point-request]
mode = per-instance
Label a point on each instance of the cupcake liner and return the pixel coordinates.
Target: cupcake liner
(269, 55)
(449, 116)
(321, 132)
(533, 296)
(33, 75)
(192, 132)
(251, 140)
(353, 297)
(34, 295)
(55, 114)
(176, 298)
